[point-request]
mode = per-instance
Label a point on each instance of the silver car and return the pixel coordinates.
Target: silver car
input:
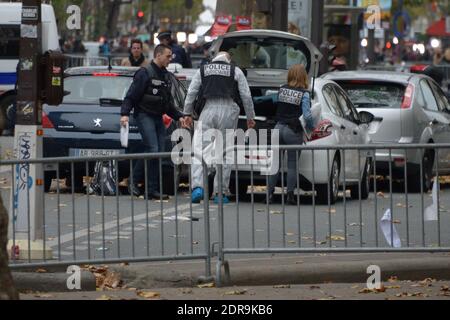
(408, 108)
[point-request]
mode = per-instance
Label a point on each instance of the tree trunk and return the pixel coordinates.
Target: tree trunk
(7, 289)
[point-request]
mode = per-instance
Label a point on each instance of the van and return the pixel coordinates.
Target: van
(10, 20)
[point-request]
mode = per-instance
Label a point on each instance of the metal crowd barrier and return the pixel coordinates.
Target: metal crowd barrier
(85, 228)
(81, 228)
(77, 60)
(258, 227)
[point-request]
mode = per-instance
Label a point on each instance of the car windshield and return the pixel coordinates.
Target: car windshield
(374, 94)
(266, 53)
(90, 89)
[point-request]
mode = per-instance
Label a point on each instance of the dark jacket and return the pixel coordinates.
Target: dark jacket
(137, 89)
(180, 56)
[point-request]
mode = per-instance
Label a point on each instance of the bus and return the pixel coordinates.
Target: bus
(10, 20)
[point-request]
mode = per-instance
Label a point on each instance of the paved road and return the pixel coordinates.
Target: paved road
(92, 227)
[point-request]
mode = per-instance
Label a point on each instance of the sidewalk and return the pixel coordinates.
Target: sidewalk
(255, 277)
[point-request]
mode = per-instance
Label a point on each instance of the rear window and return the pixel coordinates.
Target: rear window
(9, 41)
(89, 89)
(374, 94)
(266, 53)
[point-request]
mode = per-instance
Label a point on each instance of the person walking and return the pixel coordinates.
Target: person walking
(136, 58)
(179, 54)
(150, 97)
(223, 84)
(293, 101)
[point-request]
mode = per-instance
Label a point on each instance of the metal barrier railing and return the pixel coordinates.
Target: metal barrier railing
(392, 210)
(409, 222)
(75, 60)
(446, 73)
(84, 228)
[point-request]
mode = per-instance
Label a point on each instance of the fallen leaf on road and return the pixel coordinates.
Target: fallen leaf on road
(104, 297)
(43, 295)
(331, 211)
(337, 238)
(354, 287)
(445, 288)
(40, 270)
(236, 292)
(396, 221)
(112, 280)
(381, 194)
(292, 242)
(307, 238)
(206, 285)
(392, 287)
(321, 242)
(132, 289)
(275, 212)
(147, 294)
(186, 291)
(282, 286)
(393, 279)
(290, 234)
(354, 224)
(375, 290)
(401, 205)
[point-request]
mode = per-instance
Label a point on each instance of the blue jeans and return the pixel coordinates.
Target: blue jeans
(153, 135)
(287, 137)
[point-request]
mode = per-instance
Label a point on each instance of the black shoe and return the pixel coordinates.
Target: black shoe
(291, 198)
(134, 190)
(268, 199)
(157, 196)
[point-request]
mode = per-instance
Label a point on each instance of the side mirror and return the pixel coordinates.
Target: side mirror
(366, 117)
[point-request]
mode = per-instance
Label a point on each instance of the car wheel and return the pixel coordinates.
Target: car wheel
(365, 187)
(331, 188)
(48, 177)
(427, 177)
(5, 104)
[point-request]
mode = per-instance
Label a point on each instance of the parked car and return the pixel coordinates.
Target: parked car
(267, 55)
(87, 122)
(408, 108)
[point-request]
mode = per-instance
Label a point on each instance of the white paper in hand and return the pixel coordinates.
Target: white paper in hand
(124, 135)
(385, 224)
(431, 212)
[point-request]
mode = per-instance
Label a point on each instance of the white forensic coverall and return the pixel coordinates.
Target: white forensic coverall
(220, 114)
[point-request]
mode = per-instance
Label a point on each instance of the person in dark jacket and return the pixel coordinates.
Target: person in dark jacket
(150, 97)
(293, 102)
(179, 54)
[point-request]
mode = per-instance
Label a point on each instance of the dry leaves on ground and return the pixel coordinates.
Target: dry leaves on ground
(381, 195)
(104, 297)
(206, 285)
(41, 270)
(428, 282)
(375, 290)
(43, 295)
(282, 286)
(336, 238)
(414, 294)
(104, 278)
(393, 279)
(235, 292)
(148, 294)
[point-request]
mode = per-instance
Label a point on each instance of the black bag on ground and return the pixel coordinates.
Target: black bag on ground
(104, 178)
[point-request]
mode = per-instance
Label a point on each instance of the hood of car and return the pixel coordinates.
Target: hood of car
(267, 55)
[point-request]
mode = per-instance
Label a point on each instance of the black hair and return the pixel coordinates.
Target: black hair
(159, 49)
(137, 41)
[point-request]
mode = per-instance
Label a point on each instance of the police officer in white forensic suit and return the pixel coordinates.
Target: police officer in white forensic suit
(223, 84)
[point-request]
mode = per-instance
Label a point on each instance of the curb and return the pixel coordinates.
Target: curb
(340, 272)
(51, 282)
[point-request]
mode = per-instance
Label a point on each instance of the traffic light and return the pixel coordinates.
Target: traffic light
(140, 17)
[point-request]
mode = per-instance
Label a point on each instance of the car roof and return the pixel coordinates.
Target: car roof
(121, 71)
(388, 76)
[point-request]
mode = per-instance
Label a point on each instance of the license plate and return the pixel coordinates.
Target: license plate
(94, 152)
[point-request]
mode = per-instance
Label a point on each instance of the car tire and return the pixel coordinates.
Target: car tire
(427, 177)
(48, 177)
(365, 187)
(5, 103)
(332, 188)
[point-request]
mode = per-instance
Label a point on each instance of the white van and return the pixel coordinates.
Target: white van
(10, 19)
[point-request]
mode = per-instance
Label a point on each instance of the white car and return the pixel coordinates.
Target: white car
(339, 124)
